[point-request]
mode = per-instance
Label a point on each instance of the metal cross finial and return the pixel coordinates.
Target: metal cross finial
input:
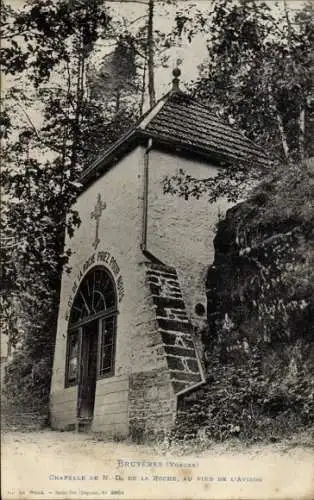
(96, 214)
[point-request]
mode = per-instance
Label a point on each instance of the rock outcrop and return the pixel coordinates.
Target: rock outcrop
(260, 340)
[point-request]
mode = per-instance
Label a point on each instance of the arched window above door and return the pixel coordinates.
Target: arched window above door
(92, 327)
(95, 295)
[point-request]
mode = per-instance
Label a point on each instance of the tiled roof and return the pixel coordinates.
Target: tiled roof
(179, 120)
(184, 121)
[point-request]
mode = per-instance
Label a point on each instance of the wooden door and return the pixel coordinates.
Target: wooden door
(88, 370)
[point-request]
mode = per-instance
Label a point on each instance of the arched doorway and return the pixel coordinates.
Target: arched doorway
(91, 338)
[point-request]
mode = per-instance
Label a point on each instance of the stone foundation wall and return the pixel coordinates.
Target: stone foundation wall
(152, 403)
(111, 407)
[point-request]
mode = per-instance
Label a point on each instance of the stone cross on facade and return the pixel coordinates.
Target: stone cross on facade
(96, 214)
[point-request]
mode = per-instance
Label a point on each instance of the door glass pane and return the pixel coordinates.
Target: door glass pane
(106, 359)
(73, 356)
(108, 330)
(107, 345)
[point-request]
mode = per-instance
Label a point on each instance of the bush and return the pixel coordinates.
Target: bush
(247, 401)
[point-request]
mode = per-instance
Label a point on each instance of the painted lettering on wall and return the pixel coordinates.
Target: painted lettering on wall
(103, 257)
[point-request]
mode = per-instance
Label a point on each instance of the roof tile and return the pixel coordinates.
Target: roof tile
(180, 120)
(186, 122)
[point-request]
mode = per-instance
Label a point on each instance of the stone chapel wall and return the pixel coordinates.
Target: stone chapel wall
(181, 232)
(138, 341)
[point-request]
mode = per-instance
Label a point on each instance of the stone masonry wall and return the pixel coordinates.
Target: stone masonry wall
(152, 403)
(153, 393)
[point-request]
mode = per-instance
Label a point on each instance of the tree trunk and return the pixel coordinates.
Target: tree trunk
(283, 137)
(77, 114)
(150, 54)
(301, 132)
(143, 88)
(279, 121)
(301, 120)
(81, 58)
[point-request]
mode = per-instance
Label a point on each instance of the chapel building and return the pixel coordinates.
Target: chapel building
(127, 346)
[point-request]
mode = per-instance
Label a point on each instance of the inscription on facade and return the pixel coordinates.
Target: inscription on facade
(103, 257)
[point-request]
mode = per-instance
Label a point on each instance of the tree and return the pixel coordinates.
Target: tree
(259, 72)
(48, 54)
(43, 161)
(148, 44)
(258, 76)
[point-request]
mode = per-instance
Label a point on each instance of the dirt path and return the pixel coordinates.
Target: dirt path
(50, 464)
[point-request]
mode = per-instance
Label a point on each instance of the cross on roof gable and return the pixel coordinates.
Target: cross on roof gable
(180, 121)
